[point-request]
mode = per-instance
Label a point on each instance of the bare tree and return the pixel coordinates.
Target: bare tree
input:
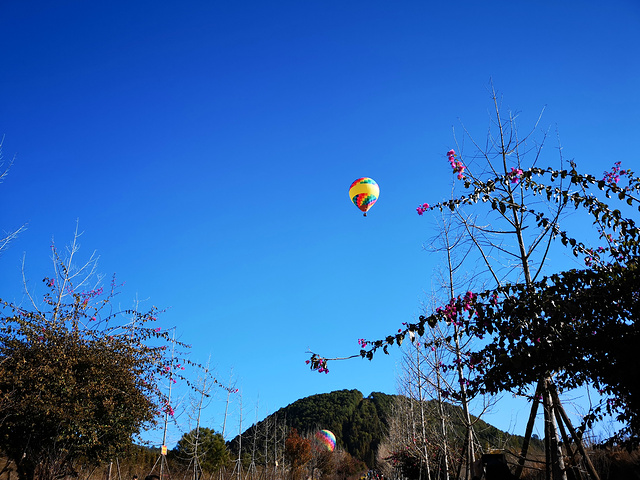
(200, 399)
(7, 236)
(515, 237)
(435, 364)
(516, 250)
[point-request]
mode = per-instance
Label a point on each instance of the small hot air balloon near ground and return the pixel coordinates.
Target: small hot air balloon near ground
(326, 440)
(364, 192)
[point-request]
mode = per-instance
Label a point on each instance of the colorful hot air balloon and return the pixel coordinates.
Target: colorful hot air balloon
(326, 440)
(364, 192)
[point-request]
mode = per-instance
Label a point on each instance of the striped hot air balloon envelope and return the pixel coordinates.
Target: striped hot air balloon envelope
(326, 440)
(364, 192)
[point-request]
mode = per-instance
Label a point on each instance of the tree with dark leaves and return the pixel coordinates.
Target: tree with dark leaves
(78, 379)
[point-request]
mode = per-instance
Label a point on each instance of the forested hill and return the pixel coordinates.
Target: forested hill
(360, 424)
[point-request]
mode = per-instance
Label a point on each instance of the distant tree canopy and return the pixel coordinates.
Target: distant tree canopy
(205, 446)
(297, 450)
(339, 465)
(359, 423)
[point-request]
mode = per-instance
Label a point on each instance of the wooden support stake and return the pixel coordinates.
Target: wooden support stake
(590, 468)
(567, 441)
(529, 431)
(554, 451)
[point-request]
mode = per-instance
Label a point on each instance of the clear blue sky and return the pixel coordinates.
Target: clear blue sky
(207, 148)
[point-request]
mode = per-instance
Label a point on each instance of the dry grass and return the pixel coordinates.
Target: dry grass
(610, 464)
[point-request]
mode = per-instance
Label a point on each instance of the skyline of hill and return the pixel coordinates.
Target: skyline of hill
(360, 424)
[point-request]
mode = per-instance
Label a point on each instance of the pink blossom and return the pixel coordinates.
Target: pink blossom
(614, 175)
(456, 165)
(168, 409)
(422, 208)
(515, 174)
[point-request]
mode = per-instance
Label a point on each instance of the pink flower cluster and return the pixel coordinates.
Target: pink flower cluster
(515, 174)
(469, 300)
(168, 409)
(422, 208)
(362, 342)
(318, 363)
(450, 311)
(453, 309)
(323, 370)
(614, 175)
(457, 165)
(92, 293)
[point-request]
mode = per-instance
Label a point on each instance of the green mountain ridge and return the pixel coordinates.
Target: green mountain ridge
(360, 424)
